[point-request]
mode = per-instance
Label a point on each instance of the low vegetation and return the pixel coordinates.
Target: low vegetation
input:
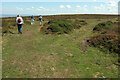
(106, 42)
(78, 52)
(8, 25)
(62, 26)
(104, 25)
(108, 39)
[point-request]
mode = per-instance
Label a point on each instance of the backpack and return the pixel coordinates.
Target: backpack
(19, 20)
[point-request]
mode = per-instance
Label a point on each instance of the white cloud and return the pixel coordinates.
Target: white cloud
(61, 6)
(68, 6)
(81, 9)
(41, 7)
(112, 3)
(101, 5)
(77, 6)
(32, 7)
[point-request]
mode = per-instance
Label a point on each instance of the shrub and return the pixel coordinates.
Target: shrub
(103, 25)
(82, 20)
(61, 26)
(55, 28)
(106, 41)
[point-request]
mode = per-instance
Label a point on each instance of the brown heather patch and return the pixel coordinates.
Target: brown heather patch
(108, 41)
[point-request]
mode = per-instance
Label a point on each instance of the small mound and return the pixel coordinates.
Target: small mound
(103, 25)
(106, 41)
(60, 26)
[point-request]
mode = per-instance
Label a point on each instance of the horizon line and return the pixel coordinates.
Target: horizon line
(25, 15)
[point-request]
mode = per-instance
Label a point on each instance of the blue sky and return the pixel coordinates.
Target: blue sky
(58, 0)
(52, 7)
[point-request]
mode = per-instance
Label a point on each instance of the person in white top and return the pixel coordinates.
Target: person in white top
(40, 19)
(19, 22)
(32, 19)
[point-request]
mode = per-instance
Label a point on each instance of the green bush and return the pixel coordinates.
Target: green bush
(103, 25)
(82, 20)
(55, 28)
(61, 26)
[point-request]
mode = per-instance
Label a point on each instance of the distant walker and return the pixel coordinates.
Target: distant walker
(40, 19)
(32, 19)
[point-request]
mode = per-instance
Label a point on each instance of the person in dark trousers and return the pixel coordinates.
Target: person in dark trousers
(40, 19)
(32, 19)
(19, 22)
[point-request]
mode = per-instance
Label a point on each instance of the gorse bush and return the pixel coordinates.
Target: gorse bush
(103, 25)
(61, 26)
(106, 41)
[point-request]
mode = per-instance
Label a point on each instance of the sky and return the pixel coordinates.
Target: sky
(53, 7)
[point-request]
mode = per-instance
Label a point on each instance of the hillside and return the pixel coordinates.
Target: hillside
(47, 52)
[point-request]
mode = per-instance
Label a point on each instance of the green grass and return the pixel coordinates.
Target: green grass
(37, 55)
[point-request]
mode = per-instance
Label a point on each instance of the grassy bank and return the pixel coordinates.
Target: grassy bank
(37, 55)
